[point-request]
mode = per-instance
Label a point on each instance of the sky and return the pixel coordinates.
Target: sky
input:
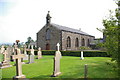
(20, 19)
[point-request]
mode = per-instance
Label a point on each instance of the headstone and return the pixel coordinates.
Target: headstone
(82, 55)
(13, 53)
(10, 52)
(31, 56)
(32, 50)
(31, 59)
(25, 49)
(26, 56)
(18, 64)
(2, 49)
(39, 53)
(57, 57)
(5, 63)
(15, 46)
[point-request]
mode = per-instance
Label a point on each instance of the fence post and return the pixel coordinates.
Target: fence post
(86, 71)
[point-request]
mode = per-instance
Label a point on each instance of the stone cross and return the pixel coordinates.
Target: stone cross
(57, 57)
(82, 55)
(18, 64)
(5, 62)
(2, 49)
(39, 53)
(58, 47)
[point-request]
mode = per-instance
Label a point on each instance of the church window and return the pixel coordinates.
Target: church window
(83, 42)
(68, 42)
(76, 43)
(48, 33)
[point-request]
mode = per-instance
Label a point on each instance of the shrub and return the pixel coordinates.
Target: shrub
(85, 48)
(76, 53)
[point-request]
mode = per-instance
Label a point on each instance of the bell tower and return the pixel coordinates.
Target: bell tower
(48, 18)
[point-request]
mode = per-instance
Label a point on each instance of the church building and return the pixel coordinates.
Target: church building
(69, 39)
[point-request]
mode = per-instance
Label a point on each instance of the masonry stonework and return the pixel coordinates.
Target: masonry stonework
(59, 34)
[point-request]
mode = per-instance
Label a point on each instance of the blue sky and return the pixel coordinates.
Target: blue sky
(20, 19)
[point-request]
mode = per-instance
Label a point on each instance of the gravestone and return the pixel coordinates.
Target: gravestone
(25, 52)
(10, 52)
(31, 56)
(5, 63)
(82, 55)
(18, 64)
(2, 49)
(39, 53)
(57, 57)
(13, 52)
(32, 50)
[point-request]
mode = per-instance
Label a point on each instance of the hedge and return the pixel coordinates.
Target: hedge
(77, 53)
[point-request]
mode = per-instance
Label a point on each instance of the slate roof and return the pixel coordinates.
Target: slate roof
(63, 28)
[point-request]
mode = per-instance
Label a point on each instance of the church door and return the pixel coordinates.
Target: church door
(47, 46)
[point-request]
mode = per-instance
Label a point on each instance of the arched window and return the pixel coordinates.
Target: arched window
(48, 33)
(83, 42)
(76, 42)
(68, 42)
(88, 42)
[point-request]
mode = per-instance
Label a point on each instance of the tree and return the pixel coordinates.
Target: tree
(111, 32)
(29, 40)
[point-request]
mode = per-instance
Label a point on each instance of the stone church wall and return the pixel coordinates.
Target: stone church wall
(73, 37)
(54, 38)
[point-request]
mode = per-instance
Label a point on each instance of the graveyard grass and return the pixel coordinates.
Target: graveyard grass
(71, 67)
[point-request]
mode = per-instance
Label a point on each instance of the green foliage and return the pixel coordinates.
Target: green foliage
(85, 48)
(111, 33)
(76, 53)
(29, 40)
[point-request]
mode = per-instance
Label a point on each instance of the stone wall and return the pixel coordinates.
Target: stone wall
(73, 37)
(58, 36)
(54, 37)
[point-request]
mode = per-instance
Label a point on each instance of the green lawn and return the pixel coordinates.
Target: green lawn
(1, 57)
(71, 67)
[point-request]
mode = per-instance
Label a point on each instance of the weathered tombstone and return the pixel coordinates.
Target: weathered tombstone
(26, 56)
(82, 55)
(39, 53)
(2, 49)
(10, 52)
(5, 63)
(13, 51)
(32, 50)
(18, 64)
(57, 57)
(31, 56)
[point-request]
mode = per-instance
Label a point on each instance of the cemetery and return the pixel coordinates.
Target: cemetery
(61, 52)
(31, 63)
